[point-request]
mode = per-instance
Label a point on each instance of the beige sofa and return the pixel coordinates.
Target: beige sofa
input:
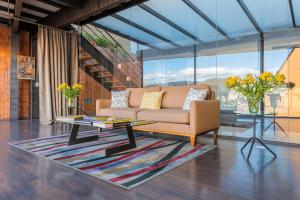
(203, 117)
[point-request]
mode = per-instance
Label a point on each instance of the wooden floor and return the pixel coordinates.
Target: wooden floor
(222, 173)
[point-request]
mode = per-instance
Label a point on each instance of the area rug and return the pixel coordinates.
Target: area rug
(152, 157)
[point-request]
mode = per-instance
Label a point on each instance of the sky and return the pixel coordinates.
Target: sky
(181, 69)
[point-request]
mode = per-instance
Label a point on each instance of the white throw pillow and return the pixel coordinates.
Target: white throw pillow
(119, 99)
(194, 95)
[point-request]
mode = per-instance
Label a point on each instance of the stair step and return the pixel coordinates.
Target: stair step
(118, 86)
(91, 65)
(111, 81)
(86, 58)
(105, 76)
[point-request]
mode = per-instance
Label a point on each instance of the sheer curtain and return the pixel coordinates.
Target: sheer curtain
(57, 62)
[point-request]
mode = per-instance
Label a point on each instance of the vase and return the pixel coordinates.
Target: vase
(70, 102)
(253, 105)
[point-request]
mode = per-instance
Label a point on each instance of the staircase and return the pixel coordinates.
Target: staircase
(98, 60)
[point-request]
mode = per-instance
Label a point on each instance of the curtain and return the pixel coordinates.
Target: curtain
(57, 62)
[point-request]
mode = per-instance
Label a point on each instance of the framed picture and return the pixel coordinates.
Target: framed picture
(26, 67)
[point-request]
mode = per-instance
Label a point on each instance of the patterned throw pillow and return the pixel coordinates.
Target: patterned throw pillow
(194, 95)
(119, 99)
(151, 100)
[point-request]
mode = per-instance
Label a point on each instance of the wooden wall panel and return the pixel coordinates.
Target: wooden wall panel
(24, 85)
(4, 72)
(92, 89)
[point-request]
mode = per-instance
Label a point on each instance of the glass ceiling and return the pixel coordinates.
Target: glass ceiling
(168, 24)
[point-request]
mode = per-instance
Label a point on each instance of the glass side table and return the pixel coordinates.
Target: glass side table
(254, 139)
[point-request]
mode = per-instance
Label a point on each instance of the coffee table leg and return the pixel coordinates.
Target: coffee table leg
(125, 147)
(74, 133)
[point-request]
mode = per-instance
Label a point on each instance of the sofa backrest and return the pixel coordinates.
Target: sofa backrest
(174, 96)
(136, 95)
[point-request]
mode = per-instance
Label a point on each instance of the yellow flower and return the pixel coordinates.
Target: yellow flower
(279, 78)
(63, 86)
(249, 79)
(77, 86)
(266, 76)
(232, 81)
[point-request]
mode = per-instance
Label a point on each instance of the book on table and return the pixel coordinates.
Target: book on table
(71, 118)
(111, 122)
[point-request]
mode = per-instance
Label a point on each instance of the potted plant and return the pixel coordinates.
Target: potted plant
(70, 92)
(254, 87)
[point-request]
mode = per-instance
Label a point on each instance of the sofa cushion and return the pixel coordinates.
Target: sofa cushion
(174, 96)
(151, 100)
(165, 115)
(136, 95)
(119, 99)
(194, 95)
(120, 112)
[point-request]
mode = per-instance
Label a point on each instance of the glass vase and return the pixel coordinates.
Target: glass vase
(253, 105)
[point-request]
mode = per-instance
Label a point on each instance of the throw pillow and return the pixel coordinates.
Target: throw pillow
(119, 99)
(151, 100)
(194, 95)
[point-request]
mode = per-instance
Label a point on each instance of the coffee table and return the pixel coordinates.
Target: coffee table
(104, 123)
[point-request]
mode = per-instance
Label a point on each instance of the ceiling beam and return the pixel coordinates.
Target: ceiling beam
(30, 7)
(17, 14)
(70, 3)
(91, 11)
(249, 15)
(206, 18)
(52, 3)
(126, 36)
(137, 26)
(292, 12)
(169, 22)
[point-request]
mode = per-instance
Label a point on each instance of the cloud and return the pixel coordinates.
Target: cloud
(202, 74)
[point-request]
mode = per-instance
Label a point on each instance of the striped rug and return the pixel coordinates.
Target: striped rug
(152, 157)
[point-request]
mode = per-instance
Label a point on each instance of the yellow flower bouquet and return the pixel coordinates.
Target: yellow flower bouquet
(70, 92)
(254, 87)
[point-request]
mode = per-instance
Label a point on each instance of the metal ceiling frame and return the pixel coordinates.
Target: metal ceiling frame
(292, 12)
(126, 36)
(169, 22)
(137, 26)
(249, 15)
(206, 18)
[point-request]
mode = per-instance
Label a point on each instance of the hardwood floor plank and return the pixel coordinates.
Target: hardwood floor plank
(222, 173)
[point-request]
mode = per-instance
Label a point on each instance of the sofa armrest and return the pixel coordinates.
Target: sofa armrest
(204, 116)
(102, 103)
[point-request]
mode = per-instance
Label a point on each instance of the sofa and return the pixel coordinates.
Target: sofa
(203, 116)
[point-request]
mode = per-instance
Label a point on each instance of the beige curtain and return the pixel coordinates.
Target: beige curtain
(57, 61)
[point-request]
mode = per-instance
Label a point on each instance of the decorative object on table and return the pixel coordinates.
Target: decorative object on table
(70, 92)
(153, 156)
(275, 98)
(25, 67)
(254, 87)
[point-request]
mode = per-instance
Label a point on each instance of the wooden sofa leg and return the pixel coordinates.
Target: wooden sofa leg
(193, 140)
(216, 136)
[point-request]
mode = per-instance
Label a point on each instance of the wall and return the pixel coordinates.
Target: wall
(14, 94)
(4, 72)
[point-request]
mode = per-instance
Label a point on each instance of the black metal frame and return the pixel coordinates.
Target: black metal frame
(292, 12)
(206, 18)
(254, 139)
(169, 22)
(126, 36)
(130, 145)
(135, 25)
(249, 15)
(73, 139)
